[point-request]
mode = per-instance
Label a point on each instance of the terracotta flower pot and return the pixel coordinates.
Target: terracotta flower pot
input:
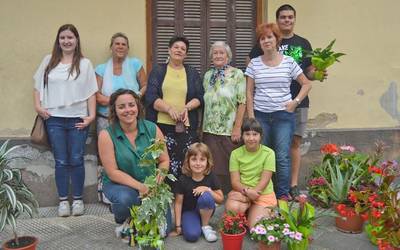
(349, 223)
(25, 242)
(232, 241)
(264, 246)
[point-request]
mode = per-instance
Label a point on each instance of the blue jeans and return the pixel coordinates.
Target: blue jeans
(278, 128)
(191, 220)
(68, 146)
(122, 198)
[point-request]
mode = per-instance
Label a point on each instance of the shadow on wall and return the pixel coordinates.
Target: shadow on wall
(389, 101)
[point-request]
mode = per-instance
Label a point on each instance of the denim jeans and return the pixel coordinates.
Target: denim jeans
(68, 146)
(191, 220)
(278, 128)
(122, 198)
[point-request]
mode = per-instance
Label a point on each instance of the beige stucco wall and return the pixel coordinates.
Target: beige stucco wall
(28, 30)
(363, 90)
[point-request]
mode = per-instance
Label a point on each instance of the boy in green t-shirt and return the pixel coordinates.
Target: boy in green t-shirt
(251, 167)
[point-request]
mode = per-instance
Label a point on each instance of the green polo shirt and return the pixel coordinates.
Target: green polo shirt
(127, 156)
(251, 165)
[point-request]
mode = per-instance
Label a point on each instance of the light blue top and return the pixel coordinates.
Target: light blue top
(118, 81)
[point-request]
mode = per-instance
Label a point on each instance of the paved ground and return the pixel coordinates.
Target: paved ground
(95, 230)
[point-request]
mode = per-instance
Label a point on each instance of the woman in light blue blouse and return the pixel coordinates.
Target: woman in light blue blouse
(119, 72)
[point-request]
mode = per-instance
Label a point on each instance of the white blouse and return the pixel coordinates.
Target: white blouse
(65, 96)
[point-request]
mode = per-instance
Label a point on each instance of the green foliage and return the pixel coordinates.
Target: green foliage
(149, 219)
(15, 196)
(323, 58)
(340, 171)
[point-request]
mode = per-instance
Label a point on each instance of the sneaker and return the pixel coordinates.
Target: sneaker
(209, 234)
(294, 192)
(123, 232)
(78, 208)
(64, 209)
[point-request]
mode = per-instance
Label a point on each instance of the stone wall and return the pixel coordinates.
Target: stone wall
(38, 164)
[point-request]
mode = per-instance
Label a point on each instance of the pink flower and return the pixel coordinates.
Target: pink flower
(270, 228)
(260, 230)
(271, 238)
(286, 231)
(298, 236)
(349, 148)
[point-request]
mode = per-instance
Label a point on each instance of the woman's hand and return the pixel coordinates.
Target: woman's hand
(176, 232)
(200, 190)
(252, 194)
(174, 114)
(43, 113)
(291, 106)
(85, 122)
(184, 115)
(235, 136)
(159, 178)
(143, 190)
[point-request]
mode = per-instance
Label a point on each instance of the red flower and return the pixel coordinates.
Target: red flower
(376, 213)
(352, 197)
(374, 169)
(330, 148)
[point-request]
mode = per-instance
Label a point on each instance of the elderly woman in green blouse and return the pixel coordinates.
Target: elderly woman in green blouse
(224, 107)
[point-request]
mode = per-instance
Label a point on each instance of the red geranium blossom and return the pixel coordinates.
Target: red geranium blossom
(330, 148)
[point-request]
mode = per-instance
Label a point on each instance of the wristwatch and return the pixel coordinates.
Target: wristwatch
(297, 100)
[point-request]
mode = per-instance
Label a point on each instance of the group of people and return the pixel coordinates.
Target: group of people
(254, 160)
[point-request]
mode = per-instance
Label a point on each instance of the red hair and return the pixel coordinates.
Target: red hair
(265, 28)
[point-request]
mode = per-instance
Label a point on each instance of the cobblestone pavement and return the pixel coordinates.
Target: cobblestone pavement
(95, 230)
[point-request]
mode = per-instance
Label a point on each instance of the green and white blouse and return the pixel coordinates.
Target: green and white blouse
(221, 101)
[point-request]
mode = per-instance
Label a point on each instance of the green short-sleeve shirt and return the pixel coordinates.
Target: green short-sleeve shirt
(251, 165)
(128, 157)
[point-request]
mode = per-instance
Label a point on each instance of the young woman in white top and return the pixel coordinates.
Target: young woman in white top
(64, 95)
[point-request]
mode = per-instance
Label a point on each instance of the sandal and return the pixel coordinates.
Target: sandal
(294, 192)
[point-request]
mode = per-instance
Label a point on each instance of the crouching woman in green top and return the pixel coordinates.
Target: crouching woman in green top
(251, 167)
(120, 147)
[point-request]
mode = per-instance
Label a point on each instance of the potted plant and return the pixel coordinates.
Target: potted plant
(15, 199)
(380, 205)
(233, 230)
(148, 221)
(270, 232)
(300, 219)
(322, 59)
(342, 170)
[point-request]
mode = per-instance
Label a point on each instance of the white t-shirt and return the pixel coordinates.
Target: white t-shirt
(65, 96)
(272, 84)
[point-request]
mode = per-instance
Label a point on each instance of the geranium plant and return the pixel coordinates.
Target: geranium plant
(274, 229)
(233, 223)
(148, 221)
(342, 169)
(380, 205)
(322, 59)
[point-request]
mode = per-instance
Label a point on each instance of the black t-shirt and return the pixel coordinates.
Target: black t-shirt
(294, 47)
(185, 186)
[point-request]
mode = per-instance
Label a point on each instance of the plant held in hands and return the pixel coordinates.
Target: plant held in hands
(322, 59)
(148, 221)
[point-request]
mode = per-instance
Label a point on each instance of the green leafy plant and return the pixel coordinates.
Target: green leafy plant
(322, 59)
(342, 169)
(300, 219)
(148, 221)
(15, 196)
(380, 205)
